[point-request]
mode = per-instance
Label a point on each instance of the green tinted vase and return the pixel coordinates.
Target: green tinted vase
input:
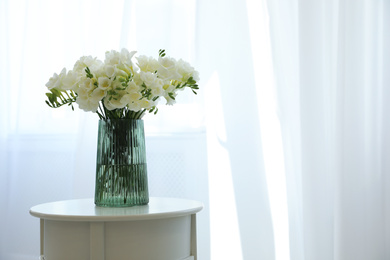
(121, 174)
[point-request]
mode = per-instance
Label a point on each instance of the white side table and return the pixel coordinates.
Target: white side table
(165, 229)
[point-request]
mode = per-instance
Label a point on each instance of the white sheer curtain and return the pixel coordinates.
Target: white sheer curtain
(286, 143)
(331, 63)
(240, 219)
(48, 155)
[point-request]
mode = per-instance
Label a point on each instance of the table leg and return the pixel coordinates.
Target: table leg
(193, 251)
(42, 226)
(96, 240)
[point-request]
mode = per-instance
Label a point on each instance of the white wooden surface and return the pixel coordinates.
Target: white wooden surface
(165, 229)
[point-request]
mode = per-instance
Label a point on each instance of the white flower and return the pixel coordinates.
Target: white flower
(122, 71)
(130, 98)
(135, 102)
(123, 57)
(169, 99)
(87, 83)
(87, 99)
(144, 103)
(117, 83)
(157, 88)
(83, 93)
(56, 80)
(113, 103)
(195, 76)
(157, 91)
(186, 71)
(98, 72)
(117, 70)
(132, 87)
(169, 88)
(117, 88)
(87, 105)
(112, 57)
(153, 83)
(148, 78)
(109, 70)
(97, 94)
(137, 79)
(126, 57)
(167, 69)
(147, 64)
(87, 61)
(104, 83)
(169, 92)
(71, 81)
(134, 106)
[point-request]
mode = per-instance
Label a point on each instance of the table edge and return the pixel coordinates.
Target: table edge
(105, 218)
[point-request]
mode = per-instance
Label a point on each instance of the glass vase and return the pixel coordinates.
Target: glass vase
(121, 172)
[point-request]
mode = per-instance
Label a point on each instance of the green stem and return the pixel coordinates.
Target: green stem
(68, 95)
(63, 99)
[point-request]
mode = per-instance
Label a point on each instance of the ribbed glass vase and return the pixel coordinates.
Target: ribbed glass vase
(121, 172)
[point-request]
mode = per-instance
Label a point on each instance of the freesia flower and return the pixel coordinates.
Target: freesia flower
(147, 64)
(56, 80)
(167, 69)
(70, 81)
(186, 71)
(104, 83)
(117, 87)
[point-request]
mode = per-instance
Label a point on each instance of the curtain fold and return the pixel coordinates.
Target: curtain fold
(237, 183)
(335, 138)
(3, 119)
(49, 154)
(331, 88)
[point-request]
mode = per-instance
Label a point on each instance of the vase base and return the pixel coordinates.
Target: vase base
(119, 203)
(104, 205)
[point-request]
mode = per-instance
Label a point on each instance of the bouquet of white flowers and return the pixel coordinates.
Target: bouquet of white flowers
(119, 89)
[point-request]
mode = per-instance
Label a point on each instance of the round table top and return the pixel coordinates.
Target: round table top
(86, 210)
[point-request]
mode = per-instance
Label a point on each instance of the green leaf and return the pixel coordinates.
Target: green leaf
(56, 98)
(88, 72)
(161, 53)
(191, 81)
(50, 97)
(47, 102)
